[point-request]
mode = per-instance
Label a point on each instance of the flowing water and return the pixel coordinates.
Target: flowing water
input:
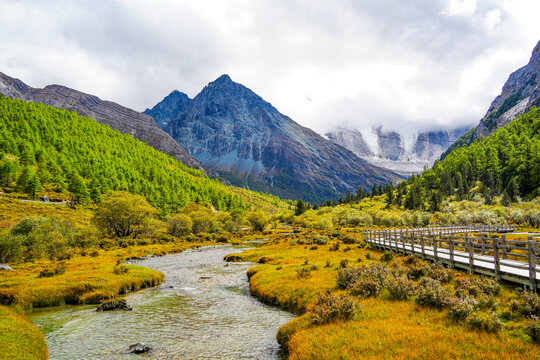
(203, 310)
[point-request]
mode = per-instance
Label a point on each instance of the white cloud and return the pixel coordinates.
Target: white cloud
(406, 65)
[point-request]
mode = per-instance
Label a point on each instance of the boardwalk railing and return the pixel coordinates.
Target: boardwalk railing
(512, 260)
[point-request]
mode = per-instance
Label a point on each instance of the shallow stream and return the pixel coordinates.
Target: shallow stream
(203, 310)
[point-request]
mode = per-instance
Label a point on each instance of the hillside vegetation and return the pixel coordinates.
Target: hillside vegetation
(44, 150)
(503, 168)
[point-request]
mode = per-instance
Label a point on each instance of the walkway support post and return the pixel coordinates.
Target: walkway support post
(503, 240)
(497, 259)
(532, 263)
(469, 244)
(451, 246)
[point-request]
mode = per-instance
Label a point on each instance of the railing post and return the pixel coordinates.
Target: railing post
(402, 241)
(422, 245)
(435, 247)
(483, 237)
(497, 259)
(503, 240)
(412, 241)
(471, 254)
(532, 263)
(451, 246)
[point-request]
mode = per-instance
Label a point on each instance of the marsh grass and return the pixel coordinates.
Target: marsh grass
(20, 339)
(391, 325)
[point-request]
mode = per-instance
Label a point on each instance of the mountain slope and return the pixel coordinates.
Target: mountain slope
(70, 153)
(392, 150)
(139, 126)
(519, 94)
(237, 134)
(507, 161)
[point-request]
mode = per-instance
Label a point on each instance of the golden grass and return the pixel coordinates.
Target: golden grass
(12, 210)
(400, 330)
(386, 329)
(20, 340)
(87, 279)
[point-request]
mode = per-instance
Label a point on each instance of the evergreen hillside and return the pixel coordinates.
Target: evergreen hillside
(45, 150)
(506, 163)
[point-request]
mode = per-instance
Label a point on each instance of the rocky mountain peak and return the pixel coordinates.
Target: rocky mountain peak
(244, 139)
(536, 51)
(222, 80)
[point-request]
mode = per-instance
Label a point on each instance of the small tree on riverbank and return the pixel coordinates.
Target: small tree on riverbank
(122, 214)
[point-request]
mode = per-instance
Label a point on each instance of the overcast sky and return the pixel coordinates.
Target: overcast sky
(406, 65)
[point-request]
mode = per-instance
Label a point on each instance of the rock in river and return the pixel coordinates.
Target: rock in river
(119, 304)
(138, 348)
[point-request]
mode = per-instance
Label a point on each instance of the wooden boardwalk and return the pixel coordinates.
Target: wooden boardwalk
(510, 260)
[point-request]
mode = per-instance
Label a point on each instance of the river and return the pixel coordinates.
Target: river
(203, 310)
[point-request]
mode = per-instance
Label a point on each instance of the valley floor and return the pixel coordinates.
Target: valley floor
(384, 329)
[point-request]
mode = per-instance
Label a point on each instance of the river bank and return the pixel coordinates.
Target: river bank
(203, 309)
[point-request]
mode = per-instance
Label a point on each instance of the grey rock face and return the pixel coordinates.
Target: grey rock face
(168, 108)
(520, 92)
(390, 146)
(352, 140)
(237, 134)
(389, 149)
(139, 126)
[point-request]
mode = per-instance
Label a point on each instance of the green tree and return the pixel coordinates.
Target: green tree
(33, 186)
(301, 207)
(122, 214)
(180, 224)
(390, 199)
(77, 188)
(258, 220)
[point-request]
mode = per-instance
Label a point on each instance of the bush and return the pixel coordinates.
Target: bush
(180, 224)
(533, 330)
(365, 281)
(334, 247)
(319, 239)
(11, 248)
(387, 256)
(440, 273)
(49, 272)
(120, 269)
(365, 288)
(460, 309)
(349, 240)
(418, 270)
(484, 322)
(527, 304)
(432, 294)
(399, 287)
(258, 220)
(410, 260)
(488, 286)
(347, 277)
(329, 308)
(7, 296)
(303, 273)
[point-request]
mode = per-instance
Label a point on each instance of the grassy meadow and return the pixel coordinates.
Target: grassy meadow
(296, 268)
(309, 265)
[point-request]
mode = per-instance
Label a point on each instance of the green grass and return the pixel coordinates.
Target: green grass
(20, 340)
